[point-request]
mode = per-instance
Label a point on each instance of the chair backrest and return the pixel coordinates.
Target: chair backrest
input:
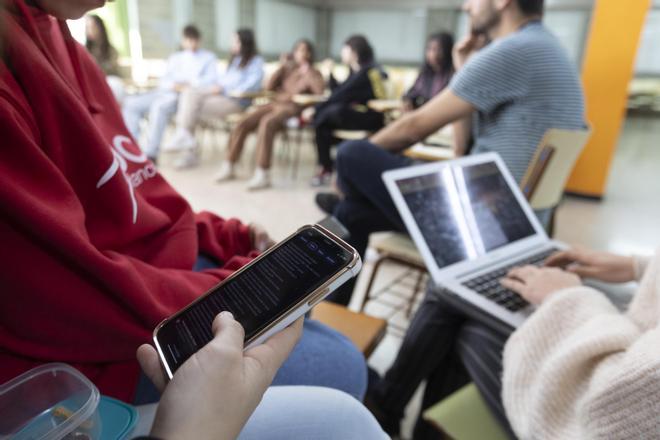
(551, 166)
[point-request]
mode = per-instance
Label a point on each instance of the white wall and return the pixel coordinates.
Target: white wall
(395, 34)
(279, 25)
(571, 28)
(226, 21)
(648, 56)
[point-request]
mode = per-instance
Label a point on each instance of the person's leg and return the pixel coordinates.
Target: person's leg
(481, 348)
(367, 206)
(310, 413)
(190, 101)
(351, 119)
(134, 109)
(160, 112)
(360, 166)
(361, 219)
(324, 357)
(216, 107)
(325, 122)
(324, 141)
(244, 127)
(426, 349)
(268, 128)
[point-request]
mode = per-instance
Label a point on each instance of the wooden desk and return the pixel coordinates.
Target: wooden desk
(363, 330)
(253, 95)
(430, 153)
(385, 105)
(307, 100)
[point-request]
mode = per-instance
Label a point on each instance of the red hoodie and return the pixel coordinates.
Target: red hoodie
(97, 248)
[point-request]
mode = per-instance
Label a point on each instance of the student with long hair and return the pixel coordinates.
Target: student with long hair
(295, 75)
(436, 73)
(98, 45)
(346, 107)
(244, 73)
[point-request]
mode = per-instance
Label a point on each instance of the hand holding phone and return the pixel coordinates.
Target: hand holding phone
(194, 403)
(265, 296)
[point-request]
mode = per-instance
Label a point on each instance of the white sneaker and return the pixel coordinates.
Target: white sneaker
(260, 180)
(226, 172)
(182, 140)
(188, 159)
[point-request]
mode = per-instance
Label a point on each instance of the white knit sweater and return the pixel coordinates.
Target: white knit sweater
(580, 369)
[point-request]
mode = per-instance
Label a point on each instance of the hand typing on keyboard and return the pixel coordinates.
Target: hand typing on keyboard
(535, 284)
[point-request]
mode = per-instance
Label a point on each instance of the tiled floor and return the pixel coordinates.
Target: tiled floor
(626, 220)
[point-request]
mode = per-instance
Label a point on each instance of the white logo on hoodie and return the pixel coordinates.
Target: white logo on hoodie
(120, 160)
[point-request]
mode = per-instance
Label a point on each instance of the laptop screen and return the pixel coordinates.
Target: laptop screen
(465, 211)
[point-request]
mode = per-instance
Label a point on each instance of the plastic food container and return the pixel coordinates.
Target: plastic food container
(50, 402)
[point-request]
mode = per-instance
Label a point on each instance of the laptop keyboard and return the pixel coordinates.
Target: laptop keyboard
(488, 284)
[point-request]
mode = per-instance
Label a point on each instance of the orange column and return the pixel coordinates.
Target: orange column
(609, 61)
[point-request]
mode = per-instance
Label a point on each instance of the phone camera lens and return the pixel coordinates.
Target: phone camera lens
(313, 246)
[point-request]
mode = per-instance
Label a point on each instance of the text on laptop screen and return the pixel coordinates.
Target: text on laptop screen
(464, 212)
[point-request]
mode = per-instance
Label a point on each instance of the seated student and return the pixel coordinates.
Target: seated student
(190, 67)
(504, 96)
(98, 45)
(245, 72)
(579, 367)
(435, 74)
(194, 403)
(97, 247)
(296, 75)
(346, 107)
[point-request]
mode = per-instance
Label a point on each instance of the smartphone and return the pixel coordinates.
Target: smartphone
(265, 296)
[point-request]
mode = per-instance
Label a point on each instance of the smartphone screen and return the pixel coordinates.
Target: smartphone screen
(257, 296)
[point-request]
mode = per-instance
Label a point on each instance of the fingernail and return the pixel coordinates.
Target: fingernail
(226, 315)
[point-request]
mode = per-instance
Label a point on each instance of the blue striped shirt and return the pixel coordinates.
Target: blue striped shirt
(521, 85)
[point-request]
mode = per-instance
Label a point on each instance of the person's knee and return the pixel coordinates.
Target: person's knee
(351, 151)
(271, 123)
(345, 417)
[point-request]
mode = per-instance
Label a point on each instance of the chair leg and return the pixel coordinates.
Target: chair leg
(372, 278)
(296, 154)
(413, 298)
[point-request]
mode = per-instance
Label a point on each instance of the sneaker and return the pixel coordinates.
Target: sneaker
(260, 180)
(182, 140)
(188, 159)
(225, 173)
(327, 202)
(323, 178)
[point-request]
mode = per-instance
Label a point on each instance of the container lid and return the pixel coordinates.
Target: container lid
(49, 401)
(117, 418)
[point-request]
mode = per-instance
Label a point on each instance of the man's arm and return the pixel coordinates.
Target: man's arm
(462, 135)
(443, 109)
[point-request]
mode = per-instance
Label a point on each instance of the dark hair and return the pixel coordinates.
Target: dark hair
(103, 44)
(248, 46)
(531, 7)
(310, 48)
(191, 31)
(446, 42)
(360, 45)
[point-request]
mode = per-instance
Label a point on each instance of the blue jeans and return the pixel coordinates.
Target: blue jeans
(322, 357)
(161, 105)
(291, 413)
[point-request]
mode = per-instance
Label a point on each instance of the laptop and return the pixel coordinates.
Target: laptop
(471, 224)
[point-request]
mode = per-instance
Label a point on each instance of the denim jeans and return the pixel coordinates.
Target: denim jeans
(291, 413)
(161, 105)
